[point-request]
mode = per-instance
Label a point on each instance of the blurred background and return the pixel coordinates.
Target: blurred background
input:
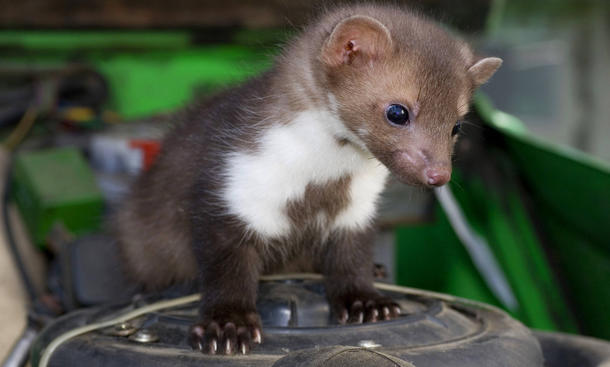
(88, 88)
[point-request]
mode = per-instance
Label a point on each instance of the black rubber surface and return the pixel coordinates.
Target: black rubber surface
(434, 330)
(567, 350)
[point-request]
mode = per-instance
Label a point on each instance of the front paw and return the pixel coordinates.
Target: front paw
(359, 307)
(227, 331)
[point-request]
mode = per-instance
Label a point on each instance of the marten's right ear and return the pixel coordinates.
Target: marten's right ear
(484, 69)
(357, 40)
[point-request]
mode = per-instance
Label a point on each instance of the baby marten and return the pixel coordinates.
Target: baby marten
(285, 171)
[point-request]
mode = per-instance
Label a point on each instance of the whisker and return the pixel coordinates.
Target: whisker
(458, 186)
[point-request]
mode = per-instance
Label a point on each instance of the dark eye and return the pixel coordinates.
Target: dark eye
(456, 128)
(397, 114)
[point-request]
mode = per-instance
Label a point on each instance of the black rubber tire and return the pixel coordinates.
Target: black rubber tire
(437, 330)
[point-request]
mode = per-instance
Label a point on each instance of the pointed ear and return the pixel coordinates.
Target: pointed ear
(483, 69)
(357, 40)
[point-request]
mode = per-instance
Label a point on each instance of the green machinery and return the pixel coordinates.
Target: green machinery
(56, 187)
(544, 210)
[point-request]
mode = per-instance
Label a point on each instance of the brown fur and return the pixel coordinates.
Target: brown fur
(175, 226)
(328, 199)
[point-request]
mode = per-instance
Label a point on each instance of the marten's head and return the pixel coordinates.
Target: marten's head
(401, 85)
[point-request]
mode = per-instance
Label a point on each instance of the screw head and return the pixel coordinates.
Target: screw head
(145, 336)
(368, 344)
(123, 329)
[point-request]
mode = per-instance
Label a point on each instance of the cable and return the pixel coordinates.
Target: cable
(478, 249)
(46, 355)
(19, 353)
(21, 130)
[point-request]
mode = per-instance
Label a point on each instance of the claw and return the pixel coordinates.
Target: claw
(344, 317)
(364, 306)
(375, 315)
(227, 334)
(228, 347)
(396, 310)
(386, 313)
(257, 336)
(198, 346)
(214, 346)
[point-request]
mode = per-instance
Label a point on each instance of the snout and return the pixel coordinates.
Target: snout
(420, 168)
(437, 176)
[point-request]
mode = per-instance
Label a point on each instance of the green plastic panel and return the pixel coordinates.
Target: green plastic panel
(56, 186)
(148, 71)
(571, 200)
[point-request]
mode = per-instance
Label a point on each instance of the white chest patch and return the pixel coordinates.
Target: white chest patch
(289, 157)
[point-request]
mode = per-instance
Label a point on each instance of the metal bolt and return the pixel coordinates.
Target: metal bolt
(123, 329)
(368, 344)
(145, 336)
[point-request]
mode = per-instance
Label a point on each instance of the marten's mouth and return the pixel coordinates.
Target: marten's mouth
(411, 181)
(416, 172)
